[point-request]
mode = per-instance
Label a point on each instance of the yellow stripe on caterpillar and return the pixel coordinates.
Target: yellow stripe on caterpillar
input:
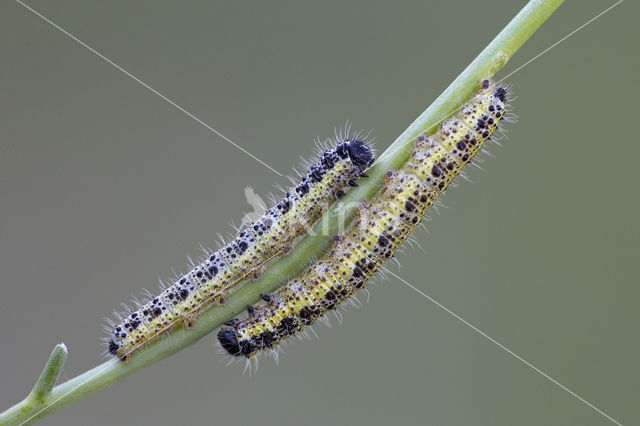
(273, 234)
(380, 227)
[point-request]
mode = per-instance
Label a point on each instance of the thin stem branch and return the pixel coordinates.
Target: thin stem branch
(44, 401)
(50, 374)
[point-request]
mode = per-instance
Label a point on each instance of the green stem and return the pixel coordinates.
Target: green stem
(49, 375)
(490, 60)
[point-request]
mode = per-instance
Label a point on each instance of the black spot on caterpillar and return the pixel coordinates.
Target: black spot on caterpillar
(273, 234)
(380, 227)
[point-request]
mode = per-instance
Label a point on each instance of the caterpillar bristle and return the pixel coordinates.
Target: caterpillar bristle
(379, 228)
(211, 278)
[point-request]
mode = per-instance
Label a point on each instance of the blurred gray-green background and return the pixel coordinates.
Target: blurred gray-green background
(104, 187)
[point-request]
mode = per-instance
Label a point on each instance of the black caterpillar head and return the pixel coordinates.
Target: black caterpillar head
(501, 93)
(229, 341)
(113, 347)
(360, 153)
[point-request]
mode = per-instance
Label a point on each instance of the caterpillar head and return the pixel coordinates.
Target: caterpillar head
(499, 92)
(360, 153)
(229, 341)
(113, 347)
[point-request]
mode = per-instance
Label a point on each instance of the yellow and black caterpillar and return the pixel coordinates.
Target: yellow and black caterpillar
(380, 227)
(270, 236)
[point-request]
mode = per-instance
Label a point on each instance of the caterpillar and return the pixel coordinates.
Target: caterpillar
(272, 235)
(379, 228)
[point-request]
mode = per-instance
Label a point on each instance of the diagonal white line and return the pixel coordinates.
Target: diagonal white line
(526, 63)
(504, 348)
(561, 40)
(145, 85)
(500, 345)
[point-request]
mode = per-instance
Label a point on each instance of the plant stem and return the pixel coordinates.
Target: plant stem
(50, 374)
(44, 400)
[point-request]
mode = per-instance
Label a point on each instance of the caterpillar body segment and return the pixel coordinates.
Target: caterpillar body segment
(380, 227)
